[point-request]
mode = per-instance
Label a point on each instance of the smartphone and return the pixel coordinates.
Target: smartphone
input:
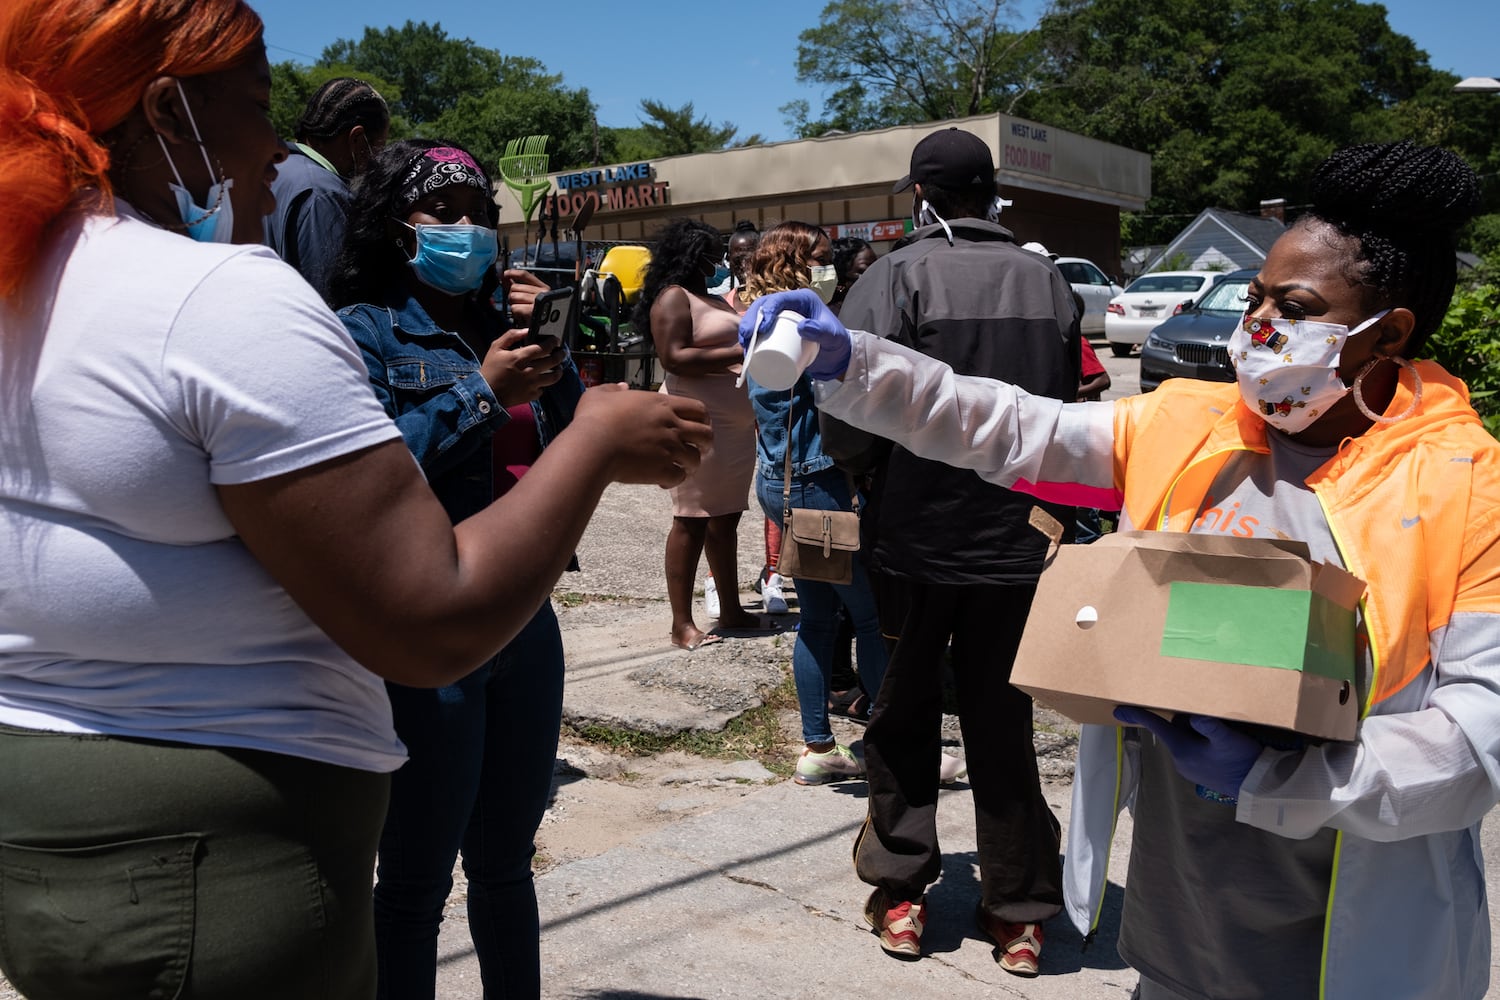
(550, 316)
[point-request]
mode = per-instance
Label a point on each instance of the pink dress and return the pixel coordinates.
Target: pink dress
(721, 485)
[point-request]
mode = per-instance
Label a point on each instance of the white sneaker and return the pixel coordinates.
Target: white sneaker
(951, 769)
(710, 598)
(771, 595)
(830, 765)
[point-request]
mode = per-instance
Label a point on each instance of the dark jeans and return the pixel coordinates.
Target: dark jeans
(1017, 836)
(482, 754)
(134, 868)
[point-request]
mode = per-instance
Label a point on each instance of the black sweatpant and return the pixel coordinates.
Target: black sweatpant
(1017, 834)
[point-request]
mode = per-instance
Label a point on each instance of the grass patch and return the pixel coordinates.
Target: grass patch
(752, 735)
(574, 598)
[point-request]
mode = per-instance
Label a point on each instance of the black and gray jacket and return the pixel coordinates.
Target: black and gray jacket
(986, 307)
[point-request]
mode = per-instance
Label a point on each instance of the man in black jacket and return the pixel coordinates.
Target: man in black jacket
(954, 560)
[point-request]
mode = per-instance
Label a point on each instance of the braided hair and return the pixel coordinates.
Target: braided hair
(338, 106)
(1401, 205)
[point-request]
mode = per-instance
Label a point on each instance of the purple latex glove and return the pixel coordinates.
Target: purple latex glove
(819, 325)
(1205, 750)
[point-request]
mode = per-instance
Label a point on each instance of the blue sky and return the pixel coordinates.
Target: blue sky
(738, 67)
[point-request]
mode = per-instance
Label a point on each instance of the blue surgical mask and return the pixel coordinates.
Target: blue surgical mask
(455, 258)
(215, 223)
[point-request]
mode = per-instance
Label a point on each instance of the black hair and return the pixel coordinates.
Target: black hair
(959, 203)
(1402, 206)
(845, 249)
(745, 228)
(677, 254)
(338, 106)
(370, 266)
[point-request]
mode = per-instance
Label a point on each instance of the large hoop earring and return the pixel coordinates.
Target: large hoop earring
(1416, 391)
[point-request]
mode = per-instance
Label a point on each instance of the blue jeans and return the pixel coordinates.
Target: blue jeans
(818, 606)
(479, 775)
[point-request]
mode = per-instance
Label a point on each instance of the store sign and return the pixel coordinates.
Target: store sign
(631, 185)
(870, 232)
(1027, 147)
(630, 173)
(611, 199)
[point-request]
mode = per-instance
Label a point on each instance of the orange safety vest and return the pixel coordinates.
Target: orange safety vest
(1398, 500)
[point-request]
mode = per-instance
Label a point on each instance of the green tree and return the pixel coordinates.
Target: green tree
(668, 131)
(892, 62)
(454, 88)
(1468, 342)
(1244, 104)
(484, 122)
(431, 69)
(292, 86)
(634, 144)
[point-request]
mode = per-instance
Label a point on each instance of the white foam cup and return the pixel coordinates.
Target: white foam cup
(780, 356)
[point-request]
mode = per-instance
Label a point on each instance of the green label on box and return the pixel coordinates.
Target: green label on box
(1259, 627)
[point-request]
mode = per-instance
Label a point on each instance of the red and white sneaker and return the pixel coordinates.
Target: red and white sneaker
(898, 924)
(1018, 947)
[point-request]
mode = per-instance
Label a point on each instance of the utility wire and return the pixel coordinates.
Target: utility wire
(283, 48)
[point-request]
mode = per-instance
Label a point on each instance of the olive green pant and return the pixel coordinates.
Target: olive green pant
(143, 869)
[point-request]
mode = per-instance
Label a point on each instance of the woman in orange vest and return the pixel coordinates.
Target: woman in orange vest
(1280, 867)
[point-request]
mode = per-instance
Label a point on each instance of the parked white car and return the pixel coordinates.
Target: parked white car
(1147, 301)
(1095, 287)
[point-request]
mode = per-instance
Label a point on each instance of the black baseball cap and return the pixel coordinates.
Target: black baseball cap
(952, 159)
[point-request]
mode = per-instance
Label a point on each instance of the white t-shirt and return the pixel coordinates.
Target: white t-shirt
(138, 370)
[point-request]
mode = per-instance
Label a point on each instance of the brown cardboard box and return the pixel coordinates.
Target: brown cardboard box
(1245, 629)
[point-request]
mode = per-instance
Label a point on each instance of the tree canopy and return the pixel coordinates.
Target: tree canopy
(891, 62)
(453, 88)
(668, 131)
(1235, 104)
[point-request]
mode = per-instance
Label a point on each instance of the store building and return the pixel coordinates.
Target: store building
(1068, 190)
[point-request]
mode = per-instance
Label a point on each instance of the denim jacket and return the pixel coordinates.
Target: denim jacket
(428, 380)
(770, 408)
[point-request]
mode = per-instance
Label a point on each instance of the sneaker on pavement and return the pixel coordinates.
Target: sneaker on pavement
(899, 924)
(771, 594)
(1018, 947)
(710, 598)
(831, 765)
(951, 769)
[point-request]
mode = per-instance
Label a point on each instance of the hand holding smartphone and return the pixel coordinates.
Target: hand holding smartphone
(550, 315)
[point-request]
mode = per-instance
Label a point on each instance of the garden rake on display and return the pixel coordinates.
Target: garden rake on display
(523, 169)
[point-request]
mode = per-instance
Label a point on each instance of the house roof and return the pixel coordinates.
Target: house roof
(1253, 232)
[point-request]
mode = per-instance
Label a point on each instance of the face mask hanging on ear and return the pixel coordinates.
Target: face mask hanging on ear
(997, 205)
(923, 214)
(214, 224)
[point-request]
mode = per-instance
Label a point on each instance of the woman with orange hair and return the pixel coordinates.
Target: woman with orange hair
(200, 503)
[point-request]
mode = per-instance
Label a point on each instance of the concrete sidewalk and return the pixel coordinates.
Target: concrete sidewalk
(758, 897)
